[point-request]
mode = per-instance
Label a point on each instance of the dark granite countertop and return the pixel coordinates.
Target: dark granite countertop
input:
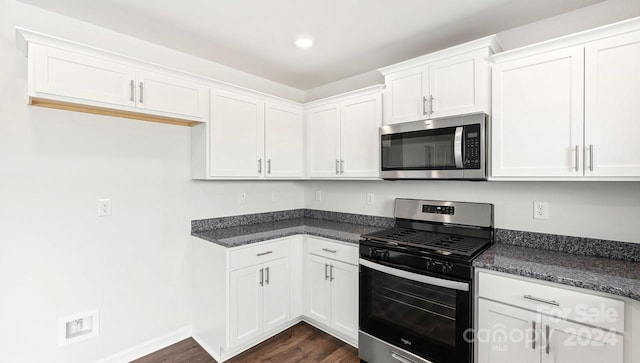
(251, 233)
(617, 277)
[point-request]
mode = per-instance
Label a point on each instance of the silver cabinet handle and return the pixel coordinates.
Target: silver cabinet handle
(141, 92)
(431, 104)
(545, 301)
(261, 277)
(266, 280)
(547, 339)
(264, 253)
(591, 157)
(260, 166)
(330, 272)
(577, 159)
(533, 335)
(328, 250)
(269, 166)
(424, 105)
(337, 166)
(457, 147)
(131, 90)
(402, 359)
(326, 273)
(341, 166)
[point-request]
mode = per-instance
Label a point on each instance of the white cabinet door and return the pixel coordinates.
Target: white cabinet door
(283, 141)
(404, 95)
(319, 290)
(62, 73)
(276, 294)
(344, 298)
(360, 119)
(172, 96)
(457, 84)
(507, 334)
(569, 342)
(237, 135)
(323, 140)
(245, 305)
(537, 123)
(612, 86)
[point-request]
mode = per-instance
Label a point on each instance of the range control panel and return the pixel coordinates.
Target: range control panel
(438, 209)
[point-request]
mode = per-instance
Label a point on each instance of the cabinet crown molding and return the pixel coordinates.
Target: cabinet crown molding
(359, 92)
(492, 42)
(570, 40)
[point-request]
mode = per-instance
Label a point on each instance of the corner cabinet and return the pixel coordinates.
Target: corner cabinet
(449, 82)
(563, 110)
(331, 287)
(249, 136)
(72, 77)
(245, 294)
(342, 135)
(522, 320)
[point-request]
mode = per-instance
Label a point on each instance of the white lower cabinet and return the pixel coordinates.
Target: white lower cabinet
(258, 300)
(244, 295)
(521, 321)
(332, 287)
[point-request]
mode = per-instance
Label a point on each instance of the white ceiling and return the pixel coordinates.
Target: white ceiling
(351, 36)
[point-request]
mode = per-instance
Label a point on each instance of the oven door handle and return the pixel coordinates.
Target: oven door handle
(457, 147)
(455, 285)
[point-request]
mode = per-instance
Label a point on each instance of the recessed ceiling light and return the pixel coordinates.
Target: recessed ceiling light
(304, 42)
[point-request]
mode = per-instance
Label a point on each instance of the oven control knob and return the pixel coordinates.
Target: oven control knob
(447, 267)
(381, 254)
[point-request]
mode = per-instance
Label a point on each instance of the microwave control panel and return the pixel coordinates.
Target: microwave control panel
(472, 146)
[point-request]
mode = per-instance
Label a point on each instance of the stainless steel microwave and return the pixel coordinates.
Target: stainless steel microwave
(444, 148)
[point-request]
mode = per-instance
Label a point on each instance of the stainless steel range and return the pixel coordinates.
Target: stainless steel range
(416, 282)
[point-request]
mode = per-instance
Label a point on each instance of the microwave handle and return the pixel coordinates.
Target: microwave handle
(457, 147)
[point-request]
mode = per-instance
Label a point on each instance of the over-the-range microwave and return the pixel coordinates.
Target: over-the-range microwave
(444, 148)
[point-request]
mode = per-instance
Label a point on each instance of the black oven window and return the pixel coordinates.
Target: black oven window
(419, 150)
(428, 311)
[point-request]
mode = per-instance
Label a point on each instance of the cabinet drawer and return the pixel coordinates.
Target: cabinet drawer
(262, 253)
(334, 250)
(556, 301)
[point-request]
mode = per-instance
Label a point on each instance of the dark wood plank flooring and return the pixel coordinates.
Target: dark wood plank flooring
(300, 343)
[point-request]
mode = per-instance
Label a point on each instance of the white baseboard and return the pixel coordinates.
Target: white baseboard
(148, 347)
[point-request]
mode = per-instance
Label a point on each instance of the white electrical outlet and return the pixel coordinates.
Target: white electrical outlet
(242, 197)
(104, 207)
(540, 210)
(274, 196)
(318, 195)
(370, 198)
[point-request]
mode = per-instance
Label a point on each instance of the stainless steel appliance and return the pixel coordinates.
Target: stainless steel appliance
(415, 298)
(443, 148)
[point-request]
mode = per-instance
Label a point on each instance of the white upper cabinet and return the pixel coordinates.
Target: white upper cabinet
(323, 123)
(342, 135)
(237, 135)
(58, 72)
(612, 87)
(537, 115)
(563, 110)
(283, 139)
(112, 85)
(449, 82)
(171, 95)
(248, 137)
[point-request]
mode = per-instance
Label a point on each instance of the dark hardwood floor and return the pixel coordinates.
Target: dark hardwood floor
(300, 343)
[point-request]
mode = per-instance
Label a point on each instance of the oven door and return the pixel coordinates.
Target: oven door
(421, 314)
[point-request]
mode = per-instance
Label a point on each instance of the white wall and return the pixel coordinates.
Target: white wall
(56, 256)
(608, 210)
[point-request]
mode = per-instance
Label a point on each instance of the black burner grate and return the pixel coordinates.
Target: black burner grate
(439, 242)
